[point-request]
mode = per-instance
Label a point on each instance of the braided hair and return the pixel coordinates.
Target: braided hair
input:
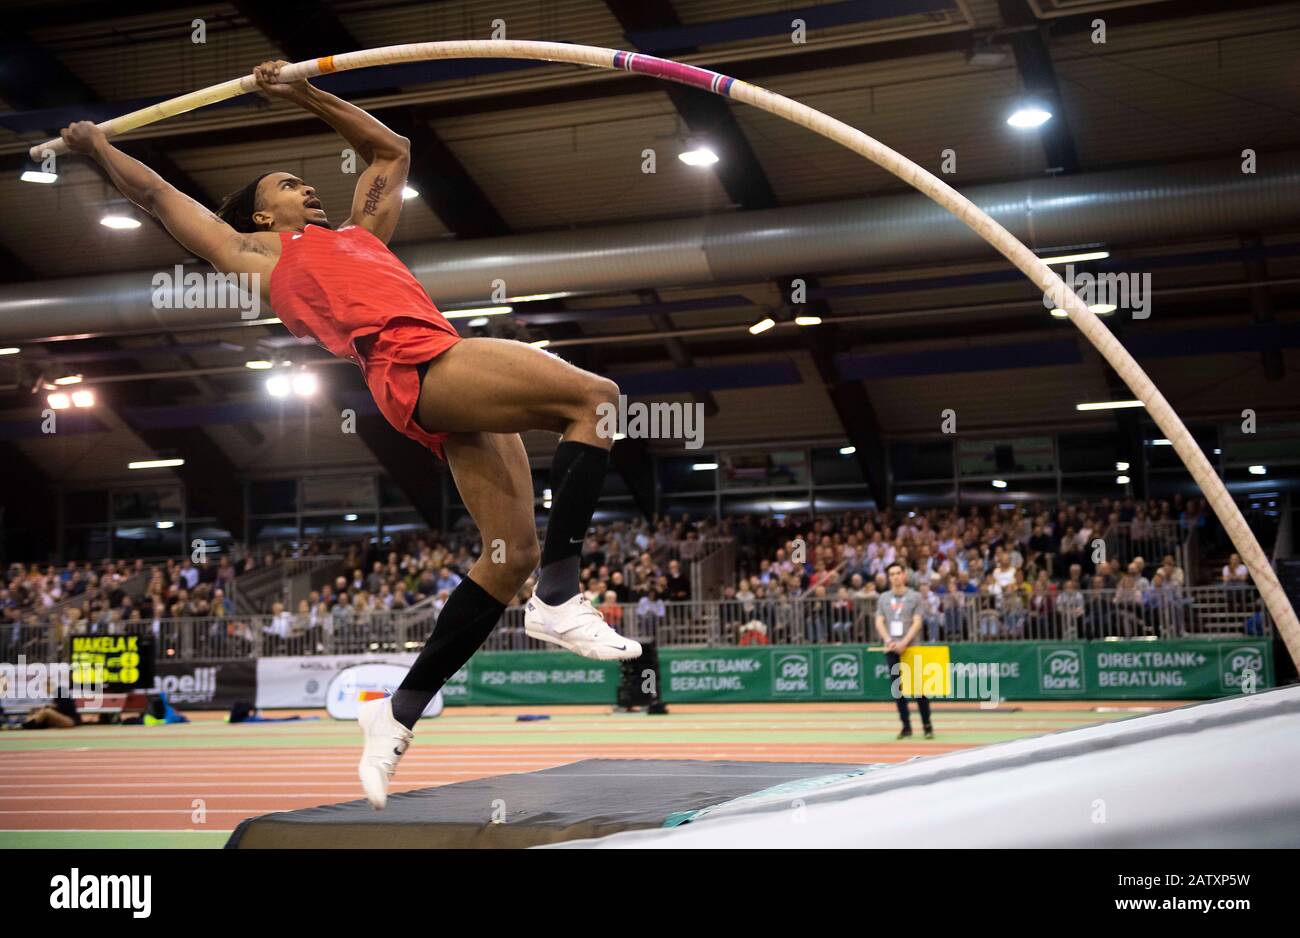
(237, 208)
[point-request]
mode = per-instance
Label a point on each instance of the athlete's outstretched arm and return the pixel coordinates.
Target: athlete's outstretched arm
(190, 223)
(377, 201)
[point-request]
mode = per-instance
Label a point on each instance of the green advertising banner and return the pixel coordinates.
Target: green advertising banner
(976, 671)
(532, 677)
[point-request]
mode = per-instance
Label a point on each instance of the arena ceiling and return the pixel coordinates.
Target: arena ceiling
(533, 148)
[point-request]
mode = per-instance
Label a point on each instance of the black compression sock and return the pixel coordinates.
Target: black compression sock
(463, 625)
(577, 476)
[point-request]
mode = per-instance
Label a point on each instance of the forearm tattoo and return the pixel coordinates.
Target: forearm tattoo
(374, 194)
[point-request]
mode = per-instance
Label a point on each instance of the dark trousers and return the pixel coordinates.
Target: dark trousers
(922, 703)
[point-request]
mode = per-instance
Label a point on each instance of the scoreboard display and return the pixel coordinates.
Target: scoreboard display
(118, 663)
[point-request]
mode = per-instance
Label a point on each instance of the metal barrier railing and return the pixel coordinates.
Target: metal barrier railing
(256, 590)
(1200, 612)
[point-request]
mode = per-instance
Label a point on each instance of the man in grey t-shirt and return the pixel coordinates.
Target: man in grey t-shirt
(899, 617)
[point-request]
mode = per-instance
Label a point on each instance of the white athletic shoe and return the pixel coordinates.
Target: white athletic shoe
(386, 740)
(577, 626)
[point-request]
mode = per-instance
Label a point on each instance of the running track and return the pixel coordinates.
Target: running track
(191, 784)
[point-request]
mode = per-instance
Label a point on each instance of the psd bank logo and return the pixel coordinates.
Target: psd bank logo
(1060, 670)
(792, 676)
(1243, 665)
(842, 673)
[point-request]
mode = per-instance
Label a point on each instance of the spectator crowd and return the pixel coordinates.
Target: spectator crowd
(1004, 570)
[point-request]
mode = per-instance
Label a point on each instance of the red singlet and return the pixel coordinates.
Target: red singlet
(351, 294)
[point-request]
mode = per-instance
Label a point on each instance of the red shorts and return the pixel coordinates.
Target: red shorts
(391, 362)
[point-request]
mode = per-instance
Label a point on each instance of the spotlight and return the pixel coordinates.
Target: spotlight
(120, 222)
(349, 517)
(278, 386)
(68, 379)
(999, 484)
(9, 351)
(848, 450)
(704, 466)
(305, 384)
(1258, 470)
(700, 156)
(807, 320)
(409, 193)
(478, 311)
(164, 525)
(155, 464)
(534, 297)
(762, 326)
(1121, 480)
(34, 175)
(1108, 405)
(540, 343)
(1121, 467)
(478, 322)
(1028, 116)
(1101, 309)
(1077, 258)
(83, 398)
(259, 364)
(59, 401)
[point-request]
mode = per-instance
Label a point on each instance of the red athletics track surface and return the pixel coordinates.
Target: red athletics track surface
(199, 780)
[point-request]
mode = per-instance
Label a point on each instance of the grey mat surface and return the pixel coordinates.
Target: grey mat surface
(1218, 774)
(583, 799)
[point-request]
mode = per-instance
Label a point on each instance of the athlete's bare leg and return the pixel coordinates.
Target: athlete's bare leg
(499, 386)
(484, 392)
(492, 475)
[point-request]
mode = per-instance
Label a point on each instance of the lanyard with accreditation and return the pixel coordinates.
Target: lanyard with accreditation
(896, 627)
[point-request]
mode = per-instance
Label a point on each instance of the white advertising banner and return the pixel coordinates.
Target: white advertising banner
(362, 682)
(303, 682)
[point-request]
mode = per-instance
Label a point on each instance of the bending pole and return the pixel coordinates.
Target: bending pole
(1025, 260)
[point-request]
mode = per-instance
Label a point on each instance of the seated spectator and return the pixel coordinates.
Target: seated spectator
(611, 611)
(650, 613)
(931, 611)
(990, 607)
(1069, 609)
(678, 584)
(1128, 603)
(618, 586)
(1041, 602)
(1171, 571)
(1235, 573)
(281, 628)
(1004, 573)
(447, 580)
